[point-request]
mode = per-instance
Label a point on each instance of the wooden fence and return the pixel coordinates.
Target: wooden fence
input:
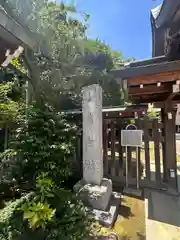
(152, 170)
(152, 167)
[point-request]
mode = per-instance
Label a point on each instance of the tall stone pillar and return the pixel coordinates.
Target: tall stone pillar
(92, 134)
(93, 189)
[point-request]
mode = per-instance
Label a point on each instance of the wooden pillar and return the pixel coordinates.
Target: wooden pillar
(165, 175)
(170, 166)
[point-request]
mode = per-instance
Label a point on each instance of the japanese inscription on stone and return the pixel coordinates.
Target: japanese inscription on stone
(92, 134)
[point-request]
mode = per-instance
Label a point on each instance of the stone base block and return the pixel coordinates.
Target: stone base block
(95, 196)
(107, 218)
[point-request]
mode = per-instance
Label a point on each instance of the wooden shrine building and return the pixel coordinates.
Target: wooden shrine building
(157, 80)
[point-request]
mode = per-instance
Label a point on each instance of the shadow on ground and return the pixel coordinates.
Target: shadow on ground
(125, 211)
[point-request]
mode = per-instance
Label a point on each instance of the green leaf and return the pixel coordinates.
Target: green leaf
(28, 215)
(34, 220)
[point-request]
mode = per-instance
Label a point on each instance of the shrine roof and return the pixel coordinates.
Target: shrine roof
(164, 13)
(155, 11)
(146, 67)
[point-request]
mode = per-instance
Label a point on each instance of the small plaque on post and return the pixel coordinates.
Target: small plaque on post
(131, 138)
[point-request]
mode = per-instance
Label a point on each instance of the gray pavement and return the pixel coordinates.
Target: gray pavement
(162, 211)
(162, 216)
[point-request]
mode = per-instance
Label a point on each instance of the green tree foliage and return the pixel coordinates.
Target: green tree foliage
(11, 104)
(102, 59)
(73, 60)
(97, 46)
(154, 115)
(9, 108)
(44, 143)
(18, 65)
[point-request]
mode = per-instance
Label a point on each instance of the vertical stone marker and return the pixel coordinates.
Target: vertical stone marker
(93, 189)
(92, 134)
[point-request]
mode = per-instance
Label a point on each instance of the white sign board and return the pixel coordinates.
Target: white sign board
(131, 138)
(178, 115)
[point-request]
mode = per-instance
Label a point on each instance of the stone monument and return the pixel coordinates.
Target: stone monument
(93, 189)
(92, 135)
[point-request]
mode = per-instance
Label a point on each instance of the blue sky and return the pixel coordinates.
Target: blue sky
(123, 24)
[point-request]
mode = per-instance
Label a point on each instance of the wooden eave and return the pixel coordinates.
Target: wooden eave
(151, 83)
(146, 70)
(115, 112)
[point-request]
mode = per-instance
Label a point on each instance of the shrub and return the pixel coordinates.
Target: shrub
(44, 143)
(35, 167)
(11, 219)
(48, 213)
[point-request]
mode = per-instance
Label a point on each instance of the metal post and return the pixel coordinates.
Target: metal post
(137, 169)
(126, 168)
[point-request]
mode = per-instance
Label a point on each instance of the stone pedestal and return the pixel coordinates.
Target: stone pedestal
(96, 196)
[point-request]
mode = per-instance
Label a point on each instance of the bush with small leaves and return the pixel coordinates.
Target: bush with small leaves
(45, 143)
(47, 213)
